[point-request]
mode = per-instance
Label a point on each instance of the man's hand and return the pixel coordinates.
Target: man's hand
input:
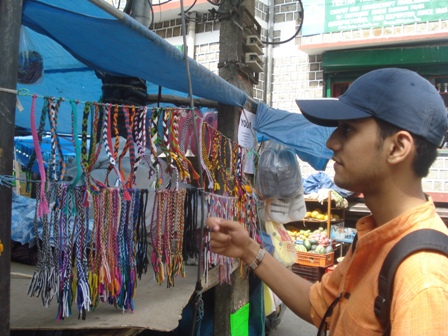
(231, 239)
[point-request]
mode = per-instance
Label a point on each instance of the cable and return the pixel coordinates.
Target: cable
(162, 3)
(215, 3)
(187, 10)
(152, 14)
(127, 7)
(297, 31)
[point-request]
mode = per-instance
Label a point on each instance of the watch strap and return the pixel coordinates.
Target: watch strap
(258, 259)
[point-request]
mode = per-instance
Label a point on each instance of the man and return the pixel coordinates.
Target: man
(390, 123)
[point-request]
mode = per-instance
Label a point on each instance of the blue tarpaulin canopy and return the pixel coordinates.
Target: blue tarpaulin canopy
(124, 47)
(294, 130)
(75, 37)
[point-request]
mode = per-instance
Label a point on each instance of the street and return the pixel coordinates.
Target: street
(291, 325)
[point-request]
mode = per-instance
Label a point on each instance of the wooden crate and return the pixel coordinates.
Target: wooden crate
(314, 259)
(310, 273)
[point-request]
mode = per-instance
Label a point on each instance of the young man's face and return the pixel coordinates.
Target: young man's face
(359, 160)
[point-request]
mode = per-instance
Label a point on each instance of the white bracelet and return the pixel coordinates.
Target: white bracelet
(258, 259)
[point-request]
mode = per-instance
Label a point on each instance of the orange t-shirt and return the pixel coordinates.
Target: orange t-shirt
(420, 295)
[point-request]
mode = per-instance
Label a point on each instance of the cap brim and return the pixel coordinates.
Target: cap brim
(328, 111)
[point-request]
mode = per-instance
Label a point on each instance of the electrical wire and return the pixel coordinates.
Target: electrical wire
(163, 3)
(188, 9)
(152, 14)
(297, 31)
(127, 7)
(215, 3)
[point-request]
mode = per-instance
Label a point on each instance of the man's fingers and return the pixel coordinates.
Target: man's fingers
(214, 223)
(219, 236)
(219, 224)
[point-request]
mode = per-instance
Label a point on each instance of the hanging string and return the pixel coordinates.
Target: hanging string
(168, 236)
(142, 242)
(179, 227)
(88, 108)
(157, 236)
(140, 140)
(76, 143)
(164, 141)
(67, 238)
(190, 244)
(43, 208)
(114, 285)
(126, 261)
(40, 132)
(57, 165)
(95, 247)
(226, 175)
(96, 132)
(44, 282)
(128, 146)
(80, 228)
(105, 277)
(205, 164)
(184, 161)
(154, 143)
(107, 141)
(7, 181)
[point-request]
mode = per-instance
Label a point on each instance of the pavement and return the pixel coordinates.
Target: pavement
(292, 325)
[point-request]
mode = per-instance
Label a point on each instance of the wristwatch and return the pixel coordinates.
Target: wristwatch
(258, 259)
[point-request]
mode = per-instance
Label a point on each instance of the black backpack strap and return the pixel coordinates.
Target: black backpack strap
(425, 239)
(355, 240)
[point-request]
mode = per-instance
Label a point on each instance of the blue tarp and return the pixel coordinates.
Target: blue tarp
(124, 47)
(64, 77)
(294, 130)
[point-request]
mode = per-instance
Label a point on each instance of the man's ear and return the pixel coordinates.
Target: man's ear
(401, 147)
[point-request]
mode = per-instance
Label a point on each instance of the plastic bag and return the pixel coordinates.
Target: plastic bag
(283, 211)
(278, 172)
(279, 182)
(30, 62)
(284, 249)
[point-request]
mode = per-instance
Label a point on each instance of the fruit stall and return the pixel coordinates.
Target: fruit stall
(314, 237)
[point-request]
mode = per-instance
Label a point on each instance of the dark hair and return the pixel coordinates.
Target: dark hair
(425, 151)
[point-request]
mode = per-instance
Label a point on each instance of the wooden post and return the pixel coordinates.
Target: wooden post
(10, 21)
(228, 299)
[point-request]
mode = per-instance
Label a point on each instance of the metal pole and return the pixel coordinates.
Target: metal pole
(10, 21)
(108, 8)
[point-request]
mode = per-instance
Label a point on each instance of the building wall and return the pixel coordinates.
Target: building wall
(295, 74)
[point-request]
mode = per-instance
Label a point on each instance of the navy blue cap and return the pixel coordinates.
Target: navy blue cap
(398, 96)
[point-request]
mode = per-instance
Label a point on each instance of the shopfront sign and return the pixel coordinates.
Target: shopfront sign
(325, 16)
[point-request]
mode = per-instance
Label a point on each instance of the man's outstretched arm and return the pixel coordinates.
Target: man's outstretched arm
(231, 239)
